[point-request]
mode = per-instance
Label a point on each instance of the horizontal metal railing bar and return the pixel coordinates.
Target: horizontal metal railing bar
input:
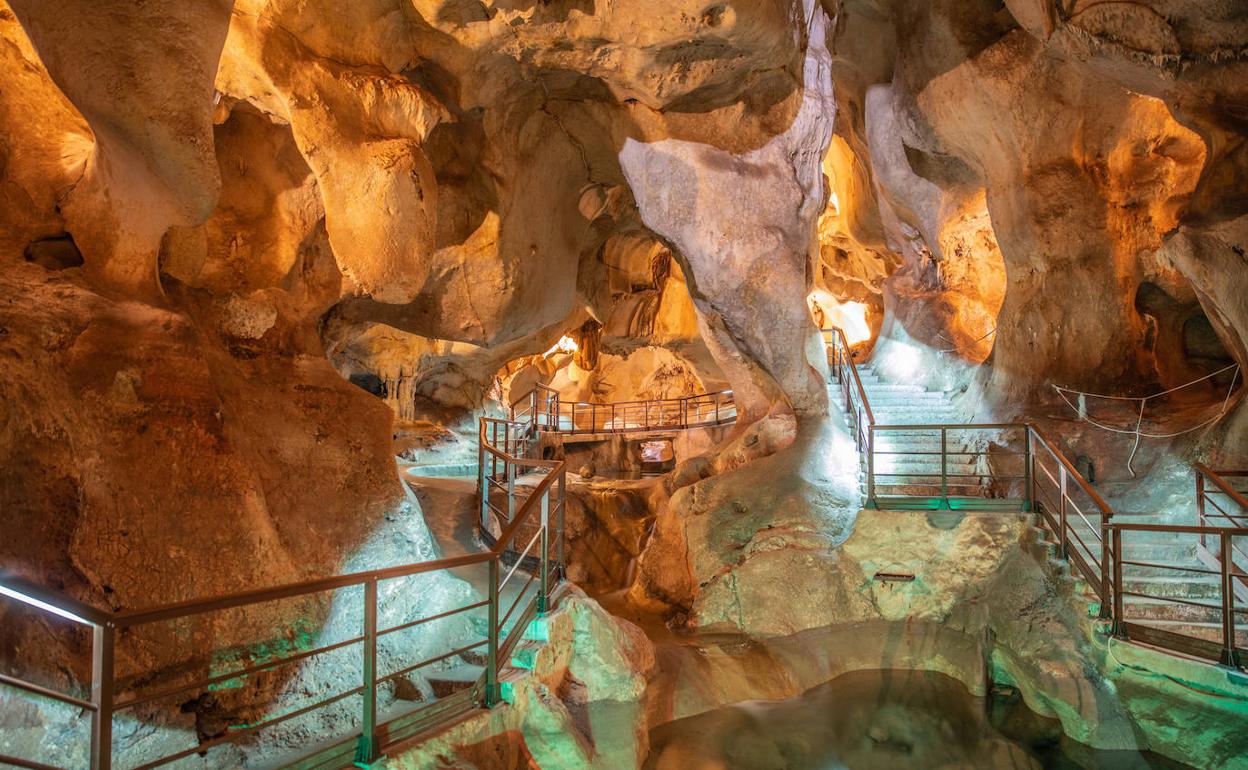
(199, 606)
(1233, 518)
(952, 426)
(35, 689)
(1093, 528)
(431, 618)
(1216, 478)
(1178, 528)
(524, 589)
(1073, 472)
(839, 335)
(1091, 572)
(639, 403)
(515, 437)
(937, 475)
(233, 735)
(1172, 567)
(1086, 549)
(911, 453)
(520, 559)
(431, 661)
(1173, 599)
(414, 720)
(517, 632)
(31, 594)
(30, 764)
(141, 700)
(1169, 640)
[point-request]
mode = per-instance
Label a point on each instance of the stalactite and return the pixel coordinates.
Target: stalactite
(588, 339)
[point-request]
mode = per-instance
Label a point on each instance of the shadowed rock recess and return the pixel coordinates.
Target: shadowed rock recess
(744, 384)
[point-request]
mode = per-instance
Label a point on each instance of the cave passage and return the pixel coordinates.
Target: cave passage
(620, 384)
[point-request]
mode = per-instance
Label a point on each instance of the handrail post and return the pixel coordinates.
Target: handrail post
(543, 597)
(103, 639)
(491, 663)
(856, 416)
(511, 490)
(1063, 536)
(871, 502)
(1119, 626)
(366, 749)
(562, 503)
(483, 485)
(1029, 471)
(1200, 506)
(944, 466)
(493, 457)
(1230, 657)
(647, 415)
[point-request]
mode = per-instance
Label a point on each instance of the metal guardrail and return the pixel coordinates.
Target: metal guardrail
(546, 411)
(110, 697)
(1231, 623)
(858, 409)
(1016, 466)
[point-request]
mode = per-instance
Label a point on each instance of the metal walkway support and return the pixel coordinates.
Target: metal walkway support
(1197, 606)
(519, 588)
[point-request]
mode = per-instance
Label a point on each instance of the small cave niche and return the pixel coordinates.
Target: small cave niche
(369, 382)
(55, 252)
(656, 455)
(1201, 344)
(1183, 341)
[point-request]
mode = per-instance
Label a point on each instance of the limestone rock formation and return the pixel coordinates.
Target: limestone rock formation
(251, 251)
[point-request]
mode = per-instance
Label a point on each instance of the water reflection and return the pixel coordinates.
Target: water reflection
(885, 720)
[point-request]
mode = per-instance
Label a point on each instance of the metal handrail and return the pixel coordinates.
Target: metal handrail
(545, 411)
(1226, 651)
(103, 703)
(840, 346)
(1054, 489)
(1221, 486)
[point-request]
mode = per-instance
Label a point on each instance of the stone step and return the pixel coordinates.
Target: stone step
(1165, 585)
(921, 440)
(1136, 608)
(932, 418)
(885, 390)
(458, 677)
(1209, 631)
(442, 470)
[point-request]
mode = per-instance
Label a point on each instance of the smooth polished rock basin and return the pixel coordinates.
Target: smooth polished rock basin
(881, 720)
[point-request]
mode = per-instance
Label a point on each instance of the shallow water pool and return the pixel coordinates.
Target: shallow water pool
(881, 720)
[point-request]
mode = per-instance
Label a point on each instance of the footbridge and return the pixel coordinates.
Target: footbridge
(546, 411)
(1179, 585)
(514, 580)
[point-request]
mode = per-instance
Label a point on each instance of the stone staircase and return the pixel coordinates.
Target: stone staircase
(909, 462)
(1165, 575)
(1164, 580)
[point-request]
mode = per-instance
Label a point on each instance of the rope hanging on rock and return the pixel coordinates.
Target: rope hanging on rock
(1080, 408)
(956, 347)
